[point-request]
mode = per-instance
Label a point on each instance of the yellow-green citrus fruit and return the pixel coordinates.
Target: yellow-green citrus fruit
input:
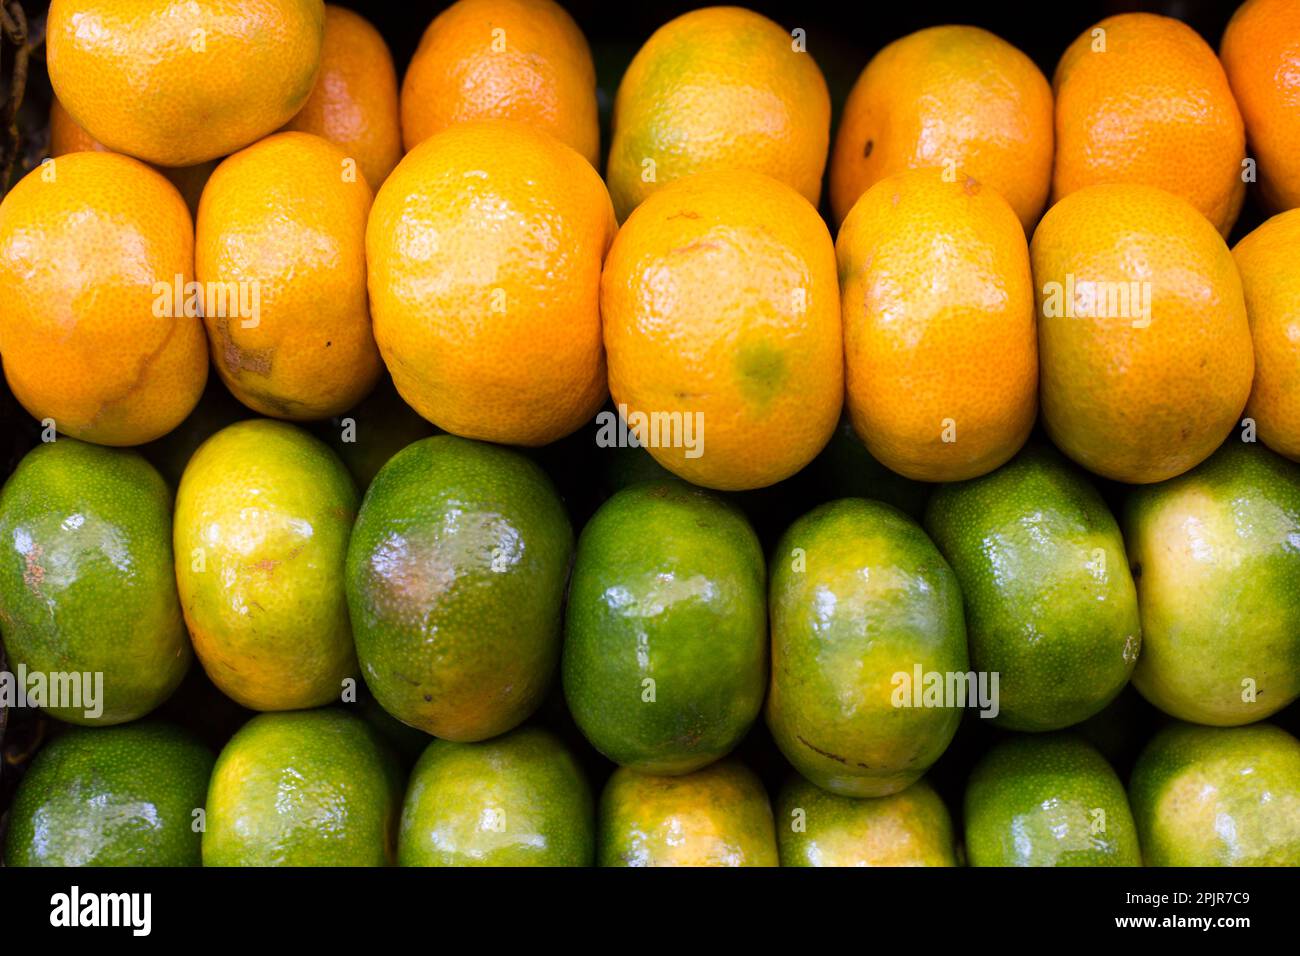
(1216, 557)
(516, 800)
(1048, 800)
(263, 516)
(718, 816)
(864, 610)
(303, 788)
(908, 828)
(1218, 796)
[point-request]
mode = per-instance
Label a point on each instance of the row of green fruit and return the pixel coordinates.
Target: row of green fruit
(320, 788)
(448, 594)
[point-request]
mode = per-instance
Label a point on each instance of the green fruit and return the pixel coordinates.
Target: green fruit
(455, 580)
(303, 788)
(367, 436)
(718, 816)
(908, 828)
(1050, 604)
(1048, 800)
(665, 651)
(86, 579)
(1216, 557)
(517, 800)
(1216, 796)
(263, 516)
(112, 796)
(860, 601)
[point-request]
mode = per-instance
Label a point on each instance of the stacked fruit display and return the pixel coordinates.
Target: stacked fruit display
(516, 484)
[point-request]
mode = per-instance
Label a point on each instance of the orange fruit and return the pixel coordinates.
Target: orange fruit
(485, 247)
(718, 88)
(1141, 98)
(1261, 55)
(354, 102)
(91, 247)
(1143, 344)
(935, 280)
(178, 84)
(957, 97)
(722, 327)
(68, 137)
(281, 232)
(1269, 262)
(524, 60)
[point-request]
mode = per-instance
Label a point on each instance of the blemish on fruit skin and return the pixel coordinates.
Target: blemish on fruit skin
(761, 370)
(33, 571)
(830, 756)
(866, 150)
(237, 359)
(971, 186)
(684, 214)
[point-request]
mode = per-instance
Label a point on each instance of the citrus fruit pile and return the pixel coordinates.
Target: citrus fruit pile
(559, 498)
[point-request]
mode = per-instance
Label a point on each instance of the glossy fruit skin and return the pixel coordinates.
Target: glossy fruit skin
(1133, 397)
(1260, 51)
(84, 242)
(717, 816)
(1136, 112)
(515, 356)
(517, 800)
(1218, 583)
(1216, 796)
(86, 579)
(1033, 800)
(956, 97)
(908, 828)
(1270, 280)
(523, 60)
(720, 88)
(263, 516)
(917, 339)
(455, 580)
(354, 101)
(303, 788)
(117, 796)
(67, 137)
(859, 595)
(1050, 603)
(137, 77)
(669, 586)
(285, 214)
(720, 303)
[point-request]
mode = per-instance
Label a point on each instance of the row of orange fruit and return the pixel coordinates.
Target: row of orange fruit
(489, 274)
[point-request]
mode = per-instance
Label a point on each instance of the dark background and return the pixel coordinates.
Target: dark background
(841, 37)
